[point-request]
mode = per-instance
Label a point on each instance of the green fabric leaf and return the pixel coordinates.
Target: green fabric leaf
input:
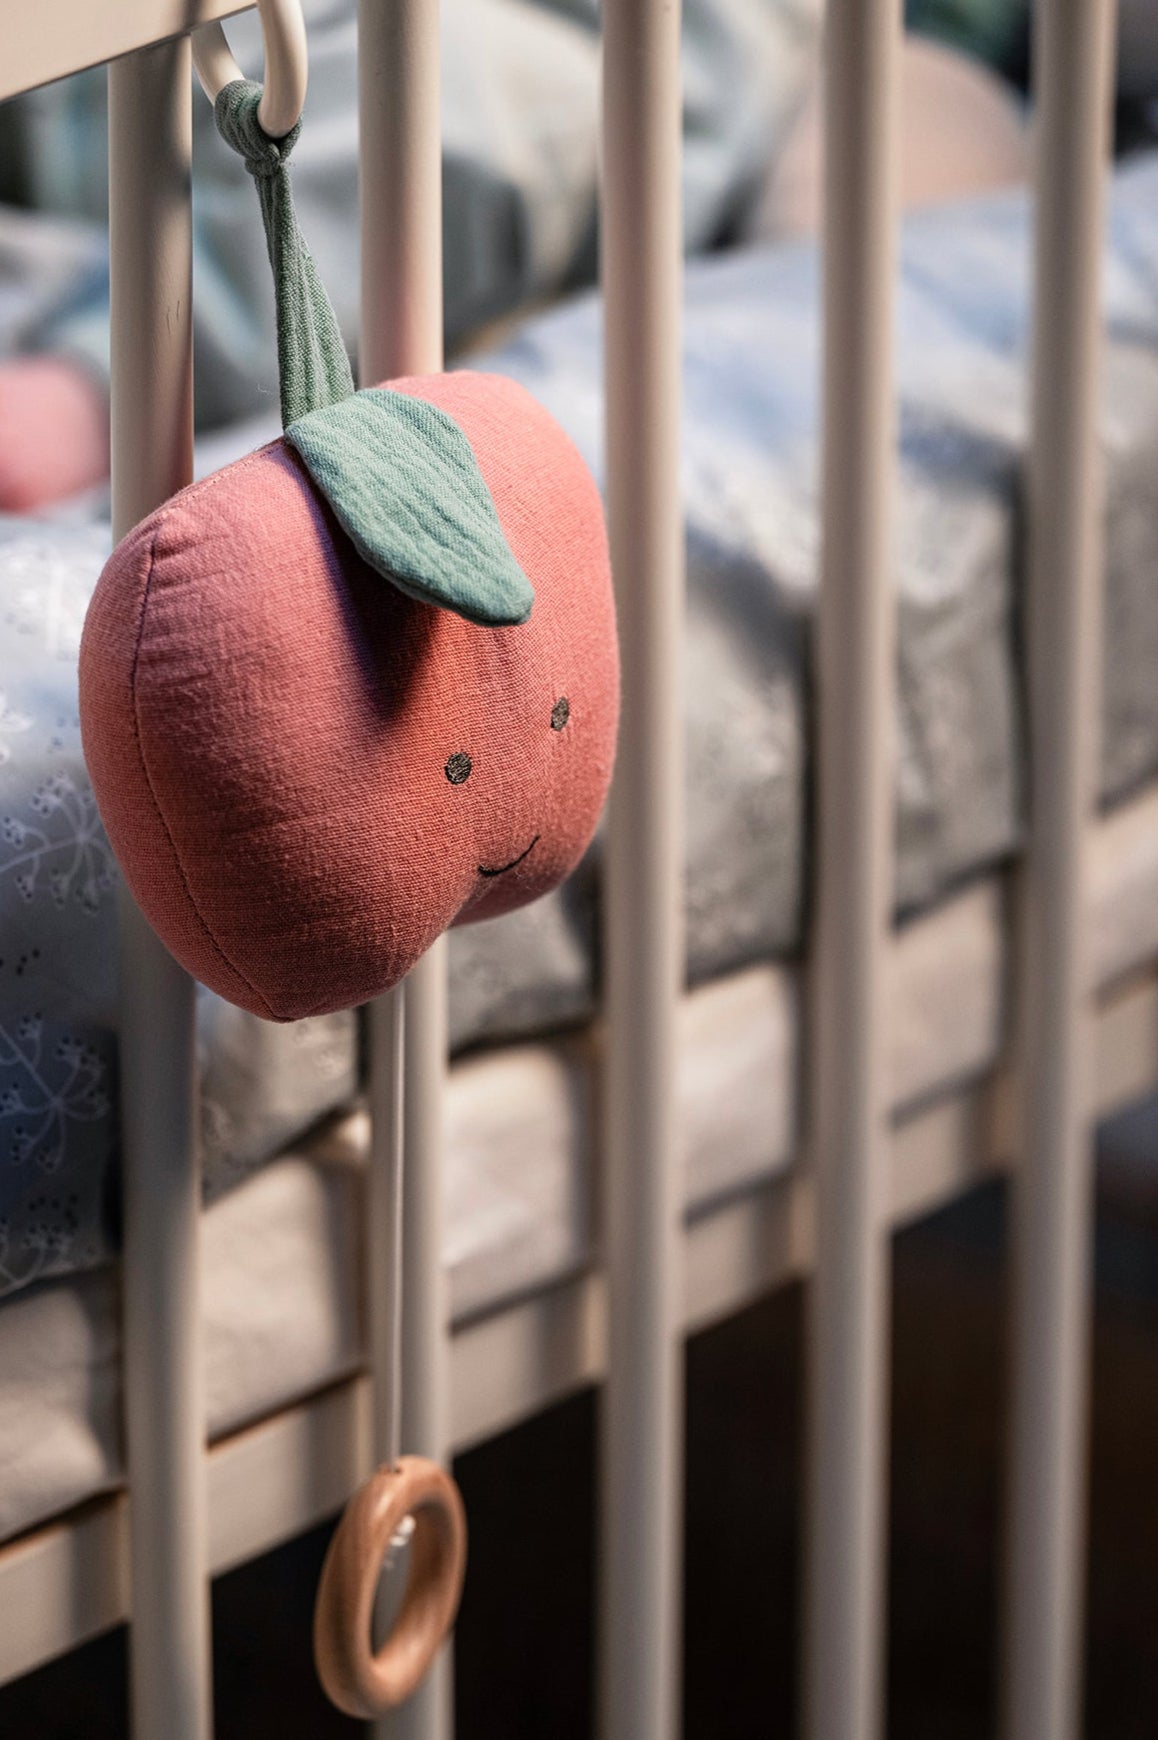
(405, 485)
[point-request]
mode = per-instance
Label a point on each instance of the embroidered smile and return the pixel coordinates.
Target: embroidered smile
(501, 869)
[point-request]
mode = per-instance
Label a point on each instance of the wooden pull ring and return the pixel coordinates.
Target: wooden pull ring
(358, 1680)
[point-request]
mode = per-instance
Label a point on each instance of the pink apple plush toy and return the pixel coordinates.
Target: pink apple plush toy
(309, 769)
(356, 688)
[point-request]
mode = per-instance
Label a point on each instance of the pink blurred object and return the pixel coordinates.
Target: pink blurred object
(54, 439)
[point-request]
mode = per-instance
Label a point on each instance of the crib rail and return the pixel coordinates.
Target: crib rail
(1053, 1252)
(401, 221)
(58, 37)
(834, 1220)
(642, 1413)
(855, 782)
(151, 252)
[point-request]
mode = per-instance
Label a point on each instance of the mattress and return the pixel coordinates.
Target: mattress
(282, 1252)
(750, 457)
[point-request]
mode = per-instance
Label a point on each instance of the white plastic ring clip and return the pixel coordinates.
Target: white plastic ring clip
(283, 31)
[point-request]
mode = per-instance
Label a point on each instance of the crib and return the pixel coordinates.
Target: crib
(876, 1152)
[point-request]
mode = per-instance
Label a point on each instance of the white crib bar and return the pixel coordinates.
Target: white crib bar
(855, 785)
(642, 1423)
(150, 136)
(425, 1311)
(401, 222)
(1053, 1193)
(385, 1219)
(401, 188)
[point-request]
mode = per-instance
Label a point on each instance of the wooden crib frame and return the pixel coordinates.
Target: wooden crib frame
(1079, 1048)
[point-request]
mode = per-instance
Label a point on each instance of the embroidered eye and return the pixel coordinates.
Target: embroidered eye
(458, 768)
(560, 713)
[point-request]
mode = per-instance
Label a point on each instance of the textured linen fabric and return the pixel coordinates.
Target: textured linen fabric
(306, 775)
(406, 489)
(312, 365)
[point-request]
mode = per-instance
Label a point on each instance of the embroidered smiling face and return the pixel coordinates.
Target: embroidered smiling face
(306, 773)
(504, 748)
(460, 766)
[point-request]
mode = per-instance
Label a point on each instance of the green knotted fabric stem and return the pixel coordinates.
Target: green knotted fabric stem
(313, 368)
(400, 474)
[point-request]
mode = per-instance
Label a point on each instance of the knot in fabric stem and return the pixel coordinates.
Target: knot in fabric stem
(313, 368)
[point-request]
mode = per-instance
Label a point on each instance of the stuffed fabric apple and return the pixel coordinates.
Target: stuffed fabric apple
(363, 684)
(357, 687)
